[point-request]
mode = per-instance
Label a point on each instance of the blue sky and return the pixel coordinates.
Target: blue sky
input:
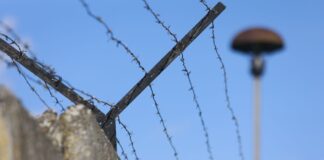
(64, 37)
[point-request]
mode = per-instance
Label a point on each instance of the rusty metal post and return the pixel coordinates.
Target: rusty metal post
(165, 61)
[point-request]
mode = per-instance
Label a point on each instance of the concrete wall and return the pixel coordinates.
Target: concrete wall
(74, 135)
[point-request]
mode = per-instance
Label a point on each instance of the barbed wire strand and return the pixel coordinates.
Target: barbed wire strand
(57, 101)
(26, 47)
(130, 137)
(17, 38)
(228, 101)
(112, 37)
(187, 73)
(123, 153)
(33, 89)
(229, 106)
(93, 98)
(28, 78)
(47, 87)
(49, 69)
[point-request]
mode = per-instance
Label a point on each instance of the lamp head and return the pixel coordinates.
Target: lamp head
(257, 41)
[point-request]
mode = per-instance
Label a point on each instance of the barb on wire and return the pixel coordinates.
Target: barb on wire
(228, 101)
(17, 38)
(12, 42)
(118, 42)
(46, 86)
(91, 97)
(162, 121)
(38, 82)
(159, 21)
(187, 73)
(49, 69)
(57, 101)
(130, 137)
(229, 106)
(111, 35)
(26, 47)
(204, 3)
(123, 153)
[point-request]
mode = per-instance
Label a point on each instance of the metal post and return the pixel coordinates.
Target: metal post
(165, 62)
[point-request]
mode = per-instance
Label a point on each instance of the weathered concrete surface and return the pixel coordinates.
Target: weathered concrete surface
(74, 135)
(20, 136)
(78, 134)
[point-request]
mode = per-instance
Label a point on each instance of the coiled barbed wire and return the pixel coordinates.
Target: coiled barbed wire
(187, 73)
(228, 101)
(118, 42)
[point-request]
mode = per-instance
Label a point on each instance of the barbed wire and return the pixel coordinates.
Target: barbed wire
(90, 96)
(130, 137)
(229, 106)
(123, 153)
(38, 82)
(204, 3)
(57, 102)
(187, 73)
(118, 42)
(28, 78)
(50, 70)
(26, 47)
(225, 79)
(111, 35)
(47, 87)
(163, 123)
(14, 43)
(17, 38)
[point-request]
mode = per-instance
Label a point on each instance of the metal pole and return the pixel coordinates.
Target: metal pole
(257, 42)
(257, 118)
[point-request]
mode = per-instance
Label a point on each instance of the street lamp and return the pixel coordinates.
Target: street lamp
(257, 42)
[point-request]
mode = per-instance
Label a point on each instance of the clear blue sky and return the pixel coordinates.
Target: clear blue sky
(77, 47)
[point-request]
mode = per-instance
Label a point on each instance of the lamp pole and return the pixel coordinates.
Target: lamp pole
(257, 70)
(256, 42)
